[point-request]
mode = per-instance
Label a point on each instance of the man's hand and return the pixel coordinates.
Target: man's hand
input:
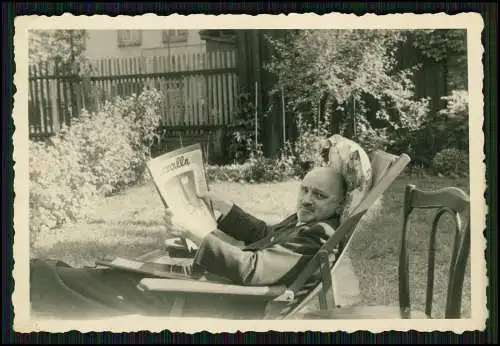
(185, 226)
(219, 204)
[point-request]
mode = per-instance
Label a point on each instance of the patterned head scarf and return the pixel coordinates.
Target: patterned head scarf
(350, 160)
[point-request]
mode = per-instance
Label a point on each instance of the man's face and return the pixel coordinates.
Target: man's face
(320, 195)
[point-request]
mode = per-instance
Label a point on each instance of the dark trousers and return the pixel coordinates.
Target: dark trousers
(61, 291)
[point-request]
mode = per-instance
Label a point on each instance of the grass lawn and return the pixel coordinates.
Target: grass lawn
(130, 224)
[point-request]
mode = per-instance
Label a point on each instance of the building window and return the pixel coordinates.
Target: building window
(170, 36)
(128, 38)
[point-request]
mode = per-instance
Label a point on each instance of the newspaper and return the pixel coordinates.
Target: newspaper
(178, 175)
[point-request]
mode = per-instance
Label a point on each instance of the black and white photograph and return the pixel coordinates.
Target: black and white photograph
(341, 158)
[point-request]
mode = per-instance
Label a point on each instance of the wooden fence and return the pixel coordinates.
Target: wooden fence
(199, 90)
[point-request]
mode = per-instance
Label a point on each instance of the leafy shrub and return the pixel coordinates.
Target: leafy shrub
(102, 140)
(240, 135)
(295, 160)
(299, 157)
(262, 169)
(115, 141)
(229, 173)
(448, 128)
(60, 188)
(455, 119)
(257, 169)
(143, 119)
(451, 162)
(100, 153)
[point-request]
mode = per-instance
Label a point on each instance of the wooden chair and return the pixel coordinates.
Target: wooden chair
(446, 200)
(315, 280)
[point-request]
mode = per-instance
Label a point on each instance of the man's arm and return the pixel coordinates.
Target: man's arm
(279, 264)
(242, 226)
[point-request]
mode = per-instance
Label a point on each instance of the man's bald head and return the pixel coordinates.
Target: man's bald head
(321, 194)
(327, 179)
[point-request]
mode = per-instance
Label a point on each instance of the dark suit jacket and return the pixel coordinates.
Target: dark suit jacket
(271, 255)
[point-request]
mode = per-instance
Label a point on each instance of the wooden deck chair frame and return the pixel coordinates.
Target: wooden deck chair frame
(386, 168)
(284, 302)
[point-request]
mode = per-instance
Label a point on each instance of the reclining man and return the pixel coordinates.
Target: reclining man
(271, 255)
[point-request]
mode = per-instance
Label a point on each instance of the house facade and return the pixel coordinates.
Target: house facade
(105, 44)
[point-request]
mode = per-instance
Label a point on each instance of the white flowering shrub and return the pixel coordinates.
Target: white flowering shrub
(60, 188)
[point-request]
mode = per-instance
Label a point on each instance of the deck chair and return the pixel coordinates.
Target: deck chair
(446, 200)
(315, 280)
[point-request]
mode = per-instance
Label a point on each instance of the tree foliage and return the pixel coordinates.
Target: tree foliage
(441, 44)
(64, 47)
(448, 47)
(350, 76)
(448, 128)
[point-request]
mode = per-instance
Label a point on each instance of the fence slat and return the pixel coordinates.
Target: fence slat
(199, 91)
(189, 94)
(136, 71)
(114, 82)
(168, 89)
(230, 88)
(39, 101)
(196, 93)
(60, 109)
(48, 100)
(33, 106)
(64, 98)
(43, 100)
(220, 89)
(225, 85)
(212, 90)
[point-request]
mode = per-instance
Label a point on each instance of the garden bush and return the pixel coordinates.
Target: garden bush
(102, 140)
(99, 154)
(229, 173)
(454, 120)
(262, 169)
(115, 141)
(448, 128)
(143, 114)
(451, 162)
(60, 188)
(240, 139)
(299, 156)
(257, 169)
(295, 160)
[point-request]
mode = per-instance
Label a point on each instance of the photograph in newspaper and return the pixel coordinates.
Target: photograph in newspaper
(178, 175)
